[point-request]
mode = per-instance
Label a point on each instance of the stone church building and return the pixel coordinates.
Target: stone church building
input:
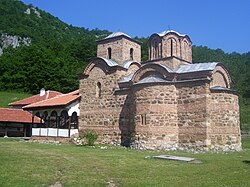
(166, 102)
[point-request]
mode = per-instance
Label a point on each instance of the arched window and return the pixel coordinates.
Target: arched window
(109, 53)
(39, 125)
(156, 50)
(185, 51)
(171, 47)
(64, 120)
(98, 90)
(74, 121)
(53, 120)
(45, 119)
(37, 114)
(131, 52)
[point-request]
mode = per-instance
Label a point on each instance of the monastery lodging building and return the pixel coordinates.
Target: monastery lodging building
(166, 102)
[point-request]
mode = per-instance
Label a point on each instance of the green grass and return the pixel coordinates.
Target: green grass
(245, 118)
(33, 164)
(9, 97)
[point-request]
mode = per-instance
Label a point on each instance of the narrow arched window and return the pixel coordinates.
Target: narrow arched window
(156, 50)
(98, 90)
(109, 53)
(131, 52)
(171, 47)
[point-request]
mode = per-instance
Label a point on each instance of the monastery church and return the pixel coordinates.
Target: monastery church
(166, 102)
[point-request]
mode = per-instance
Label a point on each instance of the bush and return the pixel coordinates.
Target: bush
(90, 136)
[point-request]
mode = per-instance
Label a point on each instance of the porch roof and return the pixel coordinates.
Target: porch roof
(36, 98)
(16, 116)
(60, 100)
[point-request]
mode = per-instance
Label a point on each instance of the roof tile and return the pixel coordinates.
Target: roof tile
(16, 115)
(35, 98)
(60, 100)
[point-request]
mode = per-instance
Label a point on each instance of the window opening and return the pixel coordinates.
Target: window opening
(131, 53)
(109, 53)
(98, 90)
(171, 47)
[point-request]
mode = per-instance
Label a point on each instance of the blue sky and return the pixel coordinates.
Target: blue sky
(221, 24)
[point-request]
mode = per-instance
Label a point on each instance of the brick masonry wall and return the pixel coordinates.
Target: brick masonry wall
(182, 48)
(116, 46)
(120, 50)
(156, 116)
(192, 114)
(223, 121)
(108, 114)
(171, 62)
(126, 50)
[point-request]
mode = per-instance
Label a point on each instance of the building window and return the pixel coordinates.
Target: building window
(98, 90)
(131, 52)
(156, 50)
(74, 121)
(39, 125)
(109, 53)
(171, 47)
(143, 119)
(64, 120)
(53, 120)
(45, 118)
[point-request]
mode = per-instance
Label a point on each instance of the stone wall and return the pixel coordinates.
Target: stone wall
(192, 114)
(127, 45)
(220, 77)
(171, 62)
(177, 46)
(120, 48)
(156, 116)
(107, 113)
(116, 50)
(223, 121)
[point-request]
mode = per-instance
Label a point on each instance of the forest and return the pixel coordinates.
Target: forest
(59, 52)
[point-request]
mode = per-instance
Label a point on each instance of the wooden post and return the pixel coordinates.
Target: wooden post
(6, 131)
(24, 128)
(47, 123)
(32, 124)
(57, 124)
(69, 124)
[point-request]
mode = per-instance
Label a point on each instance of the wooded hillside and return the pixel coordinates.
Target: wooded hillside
(58, 53)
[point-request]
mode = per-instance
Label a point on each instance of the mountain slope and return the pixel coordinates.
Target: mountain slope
(55, 54)
(26, 21)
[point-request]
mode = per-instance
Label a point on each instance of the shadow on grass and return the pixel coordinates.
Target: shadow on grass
(246, 161)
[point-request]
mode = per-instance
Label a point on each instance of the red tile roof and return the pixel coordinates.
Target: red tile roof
(60, 100)
(16, 115)
(36, 98)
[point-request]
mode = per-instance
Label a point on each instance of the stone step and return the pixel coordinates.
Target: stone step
(177, 158)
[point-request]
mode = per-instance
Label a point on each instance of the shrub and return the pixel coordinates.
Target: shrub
(90, 136)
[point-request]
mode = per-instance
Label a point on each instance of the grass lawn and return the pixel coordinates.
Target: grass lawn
(9, 97)
(33, 164)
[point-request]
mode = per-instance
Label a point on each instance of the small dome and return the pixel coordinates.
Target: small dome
(115, 34)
